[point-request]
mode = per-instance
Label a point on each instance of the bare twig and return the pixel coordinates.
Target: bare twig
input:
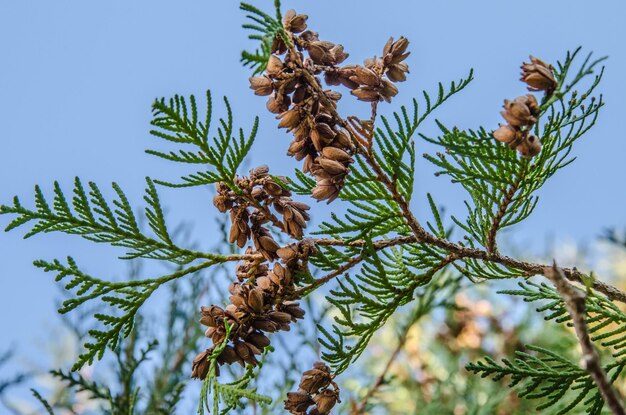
(590, 360)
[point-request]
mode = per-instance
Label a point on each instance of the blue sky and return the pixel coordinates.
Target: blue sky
(77, 80)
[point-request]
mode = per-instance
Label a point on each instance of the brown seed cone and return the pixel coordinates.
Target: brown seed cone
(298, 402)
(261, 85)
(508, 135)
(278, 103)
(280, 276)
(332, 167)
(265, 324)
(200, 365)
(245, 351)
(292, 308)
(539, 76)
(274, 66)
(293, 22)
(274, 189)
(338, 54)
(337, 154)
(393, 52)
(278, 45)
(342, 139)
(210, 315)
(315, 379)
(529, 147)
(239, 230)
(397, 72)
(290, 119)
(332, 95)
(279, 317)
(259, 172)
(265, 244)
(222, 203)
(325, 400)
(287, 252)
(216, 334)
(301, 93)
(366, 94)
(365, 76)
(319, 52)
(517, 113)
(228, 356)
(325, 189)
(265, 284)
(255, 300)
(388, 90)
(297, 149)
(258, 339)
(309, 36)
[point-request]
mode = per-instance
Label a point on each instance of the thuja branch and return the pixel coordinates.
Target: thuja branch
(590, 360)
(126, 296)
(463, 252)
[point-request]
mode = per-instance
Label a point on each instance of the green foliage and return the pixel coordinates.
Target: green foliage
(127, 297)
(605, 320)
(553, 378)
(265, 29)
(128, 384)
(387, 280)
(92, 217)
(550, 377)
(178, 122)
(45, 403)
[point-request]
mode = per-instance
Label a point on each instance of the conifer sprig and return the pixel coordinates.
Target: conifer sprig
(123, 300)
(606, 320)
(550, 378)
(377, 253)
(179, 122)
(92, 217)
(265, 29)
(501, 185)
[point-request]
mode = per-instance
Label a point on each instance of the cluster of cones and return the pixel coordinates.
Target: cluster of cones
(521, 113)
(317, 393)
(260, 303)
(308, 111)
(247, 219)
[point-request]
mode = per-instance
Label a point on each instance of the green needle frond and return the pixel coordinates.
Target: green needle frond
(91, 216)
(178, 122)
(550, 378)
(122, 300)
(265, 29)
(605, 320)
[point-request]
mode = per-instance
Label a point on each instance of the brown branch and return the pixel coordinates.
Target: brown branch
(590, 360)
(529, 268)
(506, 201)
